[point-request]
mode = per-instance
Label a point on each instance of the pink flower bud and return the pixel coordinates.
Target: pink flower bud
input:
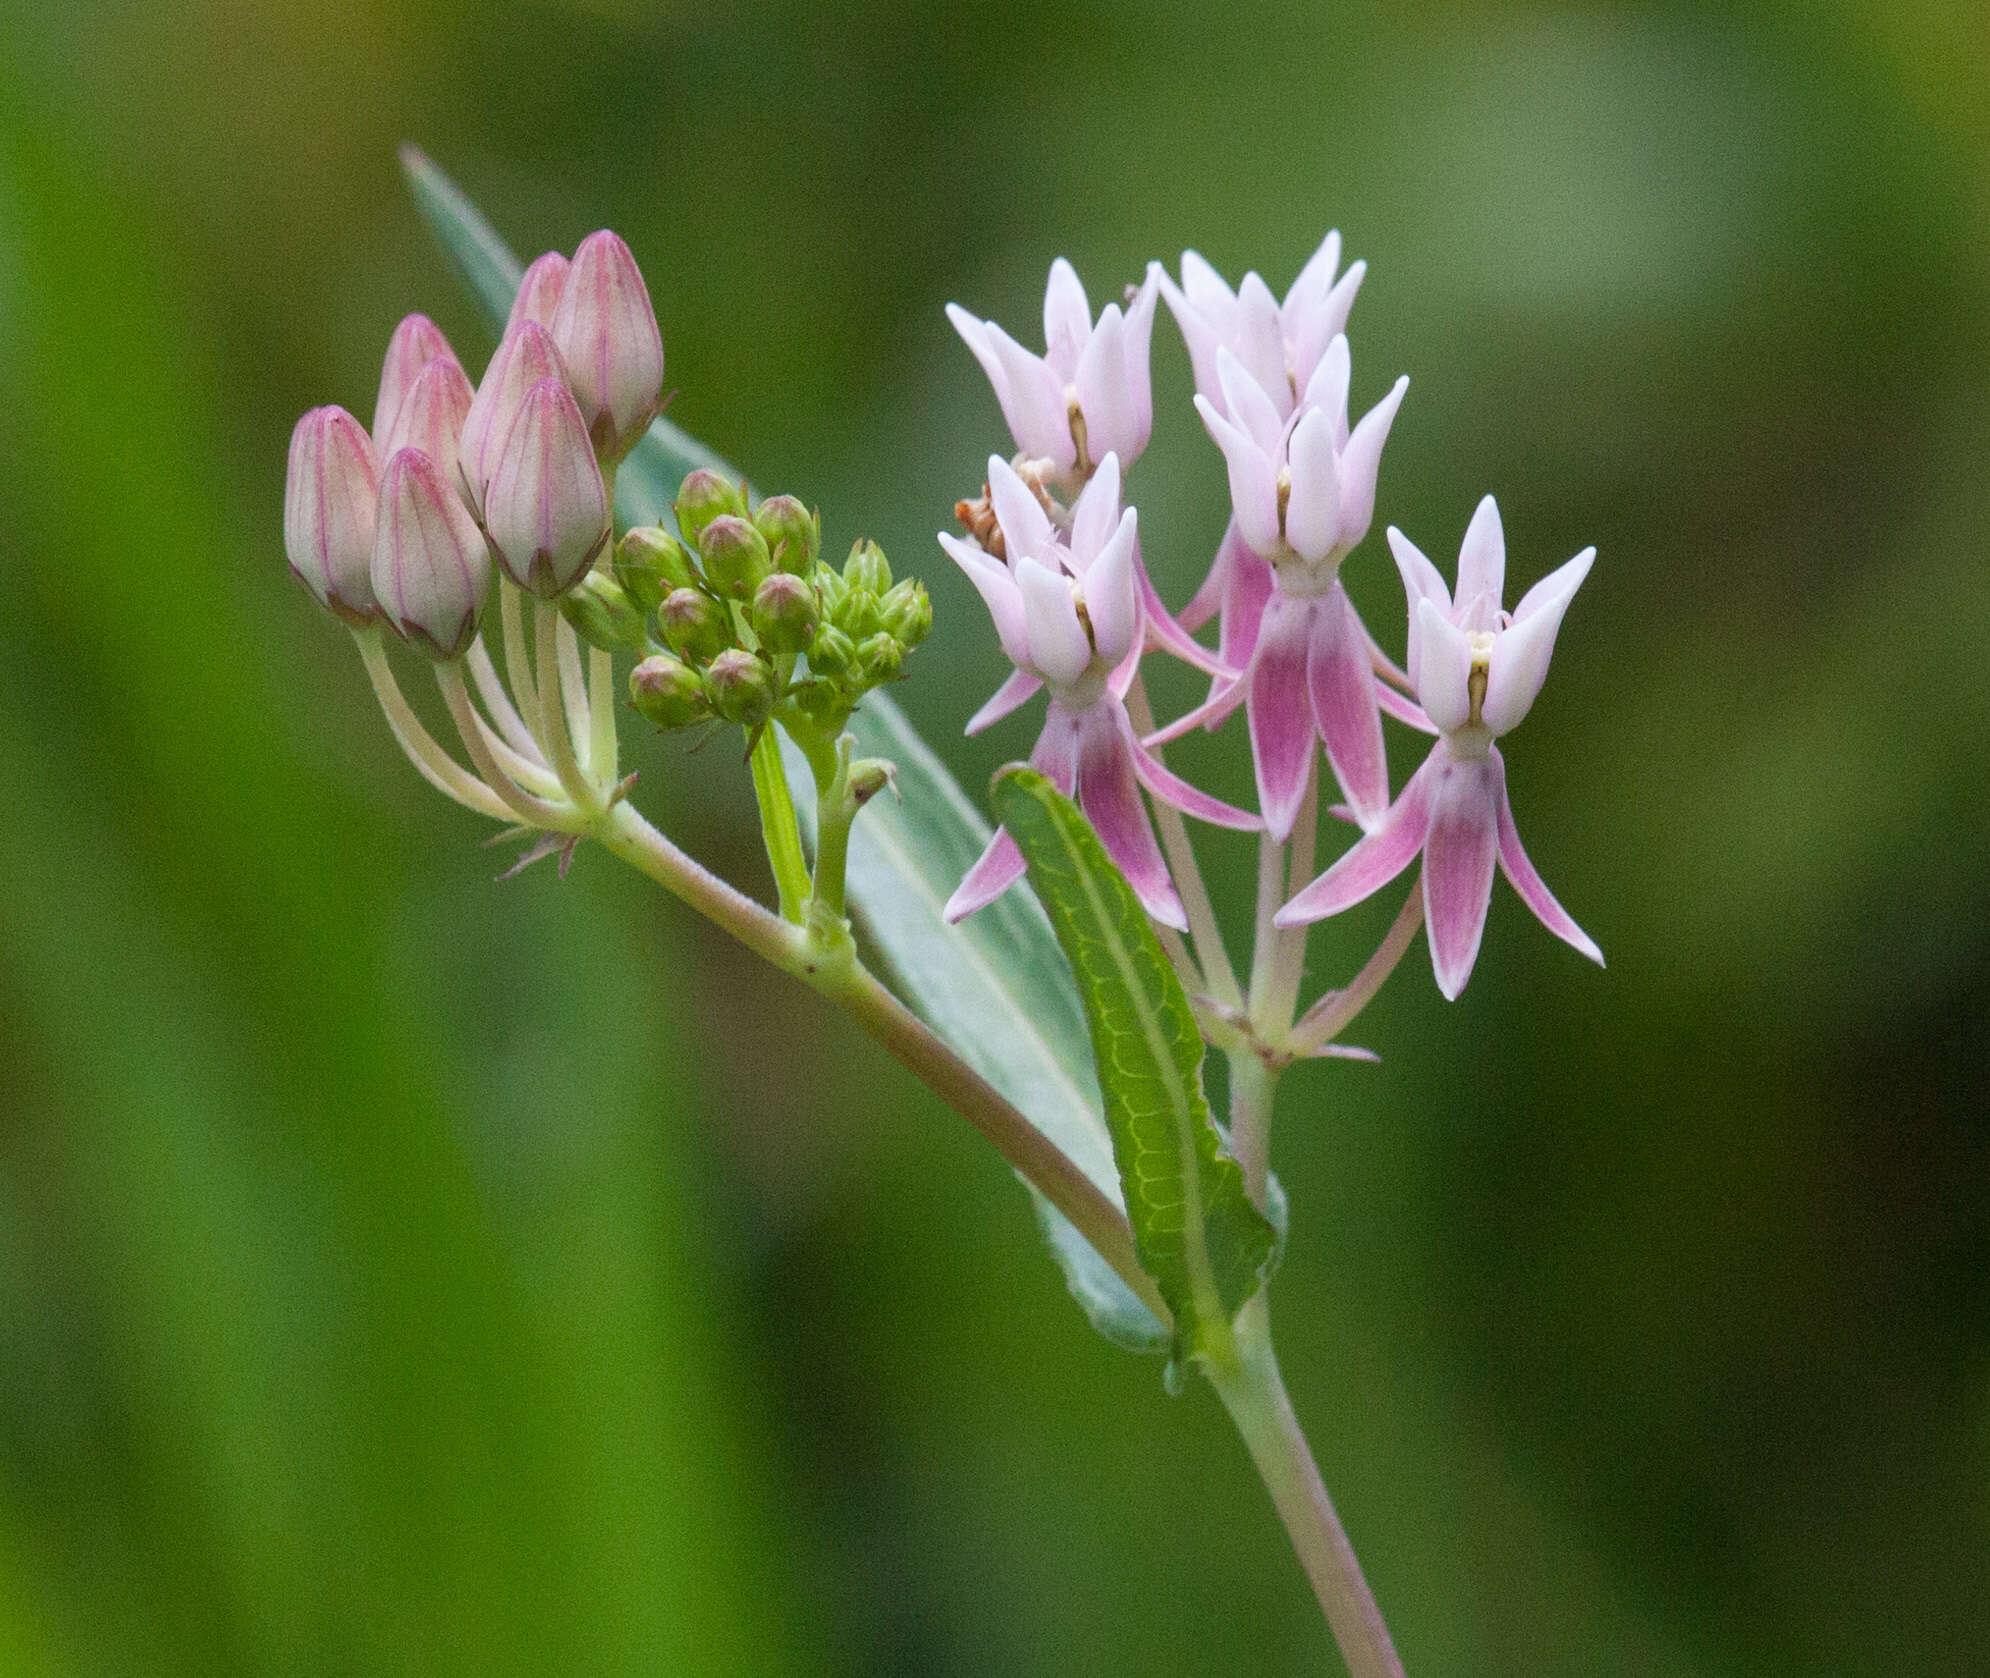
(328, 510)
(416, 342)
(431, 570)
(431, 415)
(607, 331)
(547, 510)
(539, 291)
(526, 356)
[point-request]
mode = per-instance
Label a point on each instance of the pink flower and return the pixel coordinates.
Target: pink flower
(525, 356)
(1067, 611)
(331, 497)
(546, 511)
(1302, 491)
(1476, 670)
(608, 336)
(1088, 394)
(416, 342)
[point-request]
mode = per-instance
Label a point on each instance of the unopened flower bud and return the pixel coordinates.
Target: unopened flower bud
(830, 589)
(547, 511)
(695, 626)
(416, 342)
(703, 496)
(607, 331)
(604, 616)
(649, 563)
(431, 415)
(330, 496)
(869, 776)
(822, 702)
(860, 615)
(906, 612)
(794, 534)
(742, 688)
(867, 569)
(784, 613)
(539, 288)
(526, 355)
(431, 570)
(669, 694)
(879, 660)
(831, 653)
(735, 555)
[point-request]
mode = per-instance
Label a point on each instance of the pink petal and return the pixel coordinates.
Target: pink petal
(1139, 344)
(1403, 708)
(1282, 733)
(1250, 409)
(1224, 699)
(1017, 690)
(1444, 668)
(1519, 662)
(1025, 525)
(1206, 290)
(1059, 649)
(1482, 556)
(1312, 512)
(1112, 598)
(974, 333)
(1458, 859)
(538, 295)
(431, 415)
(1095, 515)
(1067, 319)
(1556, 586)
(1322, 321)
(1361, 465)
(1001, 865)
(998, 591)
(1260, 343)
(1105, 391)
(1110, 797)
(1421, 581)
(1169, 787)
(1253, 481)
(1164, 633)
(1041, 425)
(1327, 389)
(1208, 596)
(1345, 706)
(1197, 332)
(1372, 861)
(1520, 873)
(1251, 585)
(1313, 281)
(416, 342)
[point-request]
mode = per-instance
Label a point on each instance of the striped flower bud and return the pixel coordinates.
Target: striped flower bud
(539, 289)
(546, 509)
(607, 331)
(695, 626)
(416, 342)
(329, 501)
(703, 496)
(649, 563)
(742, 688)
(735, 555)
(431, 570)
(669, 694)
(784, 613)
(604, 616)
(431, 415)
(794, 534)
(525, 356)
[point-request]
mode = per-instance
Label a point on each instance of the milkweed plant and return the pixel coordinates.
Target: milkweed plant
(532, 533)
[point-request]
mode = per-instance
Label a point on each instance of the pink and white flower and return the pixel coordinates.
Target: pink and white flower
(1476, 670)
(1067, 611)
(1088, 395)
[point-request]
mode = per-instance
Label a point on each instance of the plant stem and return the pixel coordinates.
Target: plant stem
(777, 824)
(554, 715)
(835, 813)
(435, 765)
(1252, 1085)
(1333, 1013)
(1254, 1393)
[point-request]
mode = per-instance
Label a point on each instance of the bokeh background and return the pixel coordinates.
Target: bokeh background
(403, 1273)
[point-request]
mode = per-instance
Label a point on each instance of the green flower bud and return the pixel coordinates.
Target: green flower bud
(695, 626)
(742, 688)
(830, 589)
(832, 653)
(878, 660)
(784, 613)
(867, 570)
(869, 776)
(649, 563)
(794, 534)
(906, 613)
(860, 615)
(669, 694)
(736, 556)
(604, 616)
(823, 702)
(704, 496)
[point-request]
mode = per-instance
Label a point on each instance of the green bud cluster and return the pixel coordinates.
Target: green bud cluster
(735, 614)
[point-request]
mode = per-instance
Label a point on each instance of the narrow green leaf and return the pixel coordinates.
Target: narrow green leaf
(1200, 1238)
(994, 987)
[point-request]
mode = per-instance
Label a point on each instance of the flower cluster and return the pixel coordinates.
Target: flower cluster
(1057, 561)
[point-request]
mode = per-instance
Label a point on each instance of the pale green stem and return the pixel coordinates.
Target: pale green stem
(478, 743)
(498, 702)
(604, 749)
(517, 660)
(1254, 1393)
(835, 813)
(777, 824)
(1218, 976)
(573, 684)
(435, 766)
(1264, 936)
(1253, 1084)
(1289, 951)
(553, 710)
(1335, 1011)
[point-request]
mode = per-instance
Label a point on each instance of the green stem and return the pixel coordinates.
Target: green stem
(1254, 1393)
(1253, 1084)
(835, 813)
(553, 711)
(778, 825)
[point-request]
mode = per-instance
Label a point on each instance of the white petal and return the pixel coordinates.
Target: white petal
(1096, 514)
(1260, 342)
(1105, 394)
(1361, 464)
(1421, 581)
(1025, 525)
(1139, 382)
(1197, 332)
(1564, 580)
(998, 591)
(1067, 319)
(1247, 405)
(1059, 649)
(1110, 597)
(1444, 668)
(1327, 388)
(1207, 291)
(1314, 280)
(1312, 513)
(1253, 482)
(1039, 421)
(1519, 663)
(1482, 556)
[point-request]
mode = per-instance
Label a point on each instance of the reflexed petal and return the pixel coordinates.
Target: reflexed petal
(1067, 319)
(1328, 387)
(1253, 480)
(526, 355)
(1025, 525)
(1111, 597)
(1096, 515)
(1482, 556)
(1224, 698)
(1403, 708)
(1444, 668)
(1055, 754)
(1282, 732)
(1519, 663)
(1208, 596)
(1170, 788)
(1038, 417)
(1059, 650)
(1163, 632)
(1260, 343)
(974, 333)
(1251, 585)
(1520, 873)
(1345, 708)
(1110, 797)
(999, 867)
(1245, 401)
(416, 342)
(1421, 581)
(539, 289)
(1019, 689)
(1105, 393)
(1372, 861)
(997, 588)
(1361, 464)
(1458, 859)
(1312, 512)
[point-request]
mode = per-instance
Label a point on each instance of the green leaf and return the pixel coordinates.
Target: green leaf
(994, 987)
(1198, 1235)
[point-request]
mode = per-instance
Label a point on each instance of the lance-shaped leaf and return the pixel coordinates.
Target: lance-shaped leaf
(1198, 1235)
(995, 987)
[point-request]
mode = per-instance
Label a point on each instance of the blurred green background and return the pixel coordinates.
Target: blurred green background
(402, 1273)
